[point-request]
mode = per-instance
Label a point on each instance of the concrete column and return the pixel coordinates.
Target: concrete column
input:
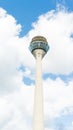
(38, 121)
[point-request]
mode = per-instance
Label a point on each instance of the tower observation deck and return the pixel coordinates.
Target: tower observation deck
(39, 42)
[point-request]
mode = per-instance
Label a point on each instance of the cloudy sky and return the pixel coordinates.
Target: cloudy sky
(21, 20)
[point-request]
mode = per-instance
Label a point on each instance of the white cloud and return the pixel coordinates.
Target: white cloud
(57, 27)
(10, 52)
(49, 129)
(58, 98)
(17, 108)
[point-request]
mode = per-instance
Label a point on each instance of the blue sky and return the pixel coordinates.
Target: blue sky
(19, 22)
(27, 12)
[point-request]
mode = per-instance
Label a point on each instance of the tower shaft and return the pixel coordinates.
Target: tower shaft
(38, 47)
(38, 122)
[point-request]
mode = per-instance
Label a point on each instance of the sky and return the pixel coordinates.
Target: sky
(20, 21)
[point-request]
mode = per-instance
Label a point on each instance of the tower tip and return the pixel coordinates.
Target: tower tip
(39, 38)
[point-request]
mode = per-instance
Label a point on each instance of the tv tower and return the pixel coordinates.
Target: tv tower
(38, 48)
